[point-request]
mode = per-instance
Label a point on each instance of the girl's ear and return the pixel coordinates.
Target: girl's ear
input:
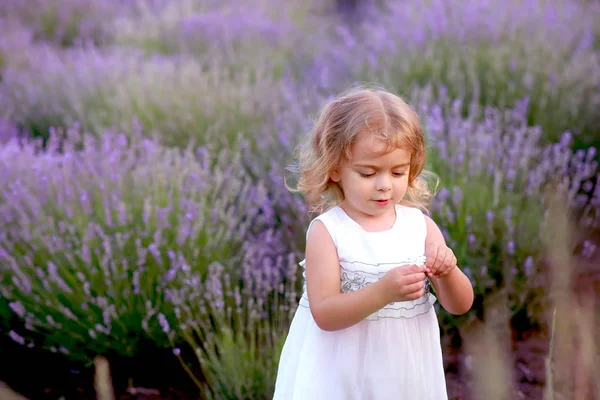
(335, 175)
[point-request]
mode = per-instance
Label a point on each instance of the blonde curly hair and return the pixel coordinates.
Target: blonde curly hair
(360, 109)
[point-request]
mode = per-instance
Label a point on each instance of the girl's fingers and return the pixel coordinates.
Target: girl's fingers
(430, 255)
(439, 262)
(448, 269)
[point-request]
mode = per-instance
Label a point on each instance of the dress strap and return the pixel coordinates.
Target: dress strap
(331, 219)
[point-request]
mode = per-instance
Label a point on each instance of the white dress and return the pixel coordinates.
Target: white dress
(395, 353)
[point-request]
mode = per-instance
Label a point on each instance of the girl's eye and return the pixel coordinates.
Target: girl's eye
(399, 174)
(365, 175)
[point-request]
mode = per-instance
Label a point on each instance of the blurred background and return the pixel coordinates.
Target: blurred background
(145, 226)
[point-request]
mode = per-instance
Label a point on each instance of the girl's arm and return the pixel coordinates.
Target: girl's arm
(332, 310)
(454, 290)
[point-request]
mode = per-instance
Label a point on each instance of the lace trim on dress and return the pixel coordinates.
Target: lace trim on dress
(353, 280)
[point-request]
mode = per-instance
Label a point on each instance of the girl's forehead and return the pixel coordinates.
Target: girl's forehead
(369, 147)
(366, 143)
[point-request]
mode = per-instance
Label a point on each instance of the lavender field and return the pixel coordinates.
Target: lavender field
(143, 147)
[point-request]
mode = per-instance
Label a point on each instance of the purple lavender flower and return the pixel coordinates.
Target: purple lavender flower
(164, 324)
(16, 337)
(18, 308)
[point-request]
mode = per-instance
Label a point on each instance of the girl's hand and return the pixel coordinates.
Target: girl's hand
(403, 283)
(440, 260)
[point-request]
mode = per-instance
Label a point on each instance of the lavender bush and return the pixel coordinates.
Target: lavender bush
(9, 131)
(64, 22)
(495, 173)
(14, 38)
(208, 75)
(235, 33)
(106, 89)
(93, 238)
(491, 52)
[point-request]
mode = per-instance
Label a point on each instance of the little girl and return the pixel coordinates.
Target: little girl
(365, 327)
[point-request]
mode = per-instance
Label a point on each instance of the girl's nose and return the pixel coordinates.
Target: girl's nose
(384, 183)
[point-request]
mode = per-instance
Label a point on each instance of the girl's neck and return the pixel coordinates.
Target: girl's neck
(370, 223)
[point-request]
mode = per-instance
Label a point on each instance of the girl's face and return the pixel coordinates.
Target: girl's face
(373, 181)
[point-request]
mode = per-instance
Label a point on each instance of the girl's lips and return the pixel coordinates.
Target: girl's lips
(383, 202)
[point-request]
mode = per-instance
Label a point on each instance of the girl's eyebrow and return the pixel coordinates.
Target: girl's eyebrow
(375, 166)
